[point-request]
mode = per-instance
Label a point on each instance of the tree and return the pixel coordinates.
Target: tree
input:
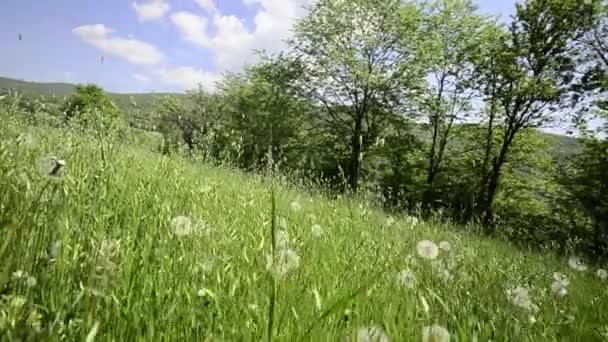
(90, 104)
(524, 76)
(361, 63)
(263, 110)
(453, 34)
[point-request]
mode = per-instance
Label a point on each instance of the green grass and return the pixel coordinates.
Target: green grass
(122, 268)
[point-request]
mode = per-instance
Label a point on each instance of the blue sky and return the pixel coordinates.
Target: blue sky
(147, 45)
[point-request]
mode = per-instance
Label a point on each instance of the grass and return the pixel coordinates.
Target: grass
(121, 272)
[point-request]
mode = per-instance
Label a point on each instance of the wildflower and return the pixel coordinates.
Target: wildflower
(532, 319)
(521, 297)
(445, 245)
(427, 249)
(372, 334)
(406, 278)
(182, 226)
(602, 274)
(281, 239)
(317, 231)
(577, 263)
(295, 206)
(286, 261)
(435, 333)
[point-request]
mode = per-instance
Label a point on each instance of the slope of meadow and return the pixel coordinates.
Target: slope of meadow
(124, 244)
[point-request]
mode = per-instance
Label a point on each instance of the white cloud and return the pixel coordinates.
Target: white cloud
(188, 78)
(207, 5)
(151, 9)
(227, 37)
(141, 78)
(133, 50)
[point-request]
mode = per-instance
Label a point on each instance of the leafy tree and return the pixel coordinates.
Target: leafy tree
(90, 104)
(361, 63)
(524, 77)
(453, 34)
(263, 110)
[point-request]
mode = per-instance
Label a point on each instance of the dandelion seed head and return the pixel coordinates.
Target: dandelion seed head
(31, 281)
(317, 231)
(435, 333)
(286, 260)
(445, 246)
(559, 288)
(182, 226)
(295, 206)
(406, 278)
(577, 263)
(281, 239)
(372, 334)
(427, 249)
(520, 296)
(602, 274)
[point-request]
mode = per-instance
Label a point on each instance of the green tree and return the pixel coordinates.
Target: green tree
(90, 104)
(524, 78)
(453, 34)
(361, 64)
(263, 110)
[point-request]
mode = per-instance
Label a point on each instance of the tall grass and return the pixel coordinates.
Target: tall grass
(92, 254)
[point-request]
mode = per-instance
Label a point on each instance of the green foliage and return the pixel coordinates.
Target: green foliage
(89, 106)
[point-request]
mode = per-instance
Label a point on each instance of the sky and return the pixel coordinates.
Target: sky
(147, 45)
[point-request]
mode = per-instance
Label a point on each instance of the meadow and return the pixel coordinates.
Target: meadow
(104, 239)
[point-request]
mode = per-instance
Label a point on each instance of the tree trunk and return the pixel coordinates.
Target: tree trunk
(355, 158)
(494, 177)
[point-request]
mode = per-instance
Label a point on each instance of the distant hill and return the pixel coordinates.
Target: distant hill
(146, 102)
(137, 106)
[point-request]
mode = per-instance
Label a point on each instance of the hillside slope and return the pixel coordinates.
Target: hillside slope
(159, 248)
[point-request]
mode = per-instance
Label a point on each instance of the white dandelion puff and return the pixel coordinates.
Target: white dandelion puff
(559, 288)
(406, 278)
(602, 274)
(372, 334)
(182, 226)
(317, 231)
(31, 281)
(281, 239)
(435, 333)
(520, 296)
(427, 249)
(295, 206)
(562, 278)
(55, 250)
(390, 221)
(445, 245)
(282, 222)
(577, 263)
(285, 261)
(412, 221)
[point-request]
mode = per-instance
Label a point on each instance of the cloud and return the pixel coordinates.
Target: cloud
(207, 5)
(151, 9)
(227, 37)
(141, 78)
(132, 50)
(188, 78)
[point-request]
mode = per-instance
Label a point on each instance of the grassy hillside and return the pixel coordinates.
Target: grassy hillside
(137, 246)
